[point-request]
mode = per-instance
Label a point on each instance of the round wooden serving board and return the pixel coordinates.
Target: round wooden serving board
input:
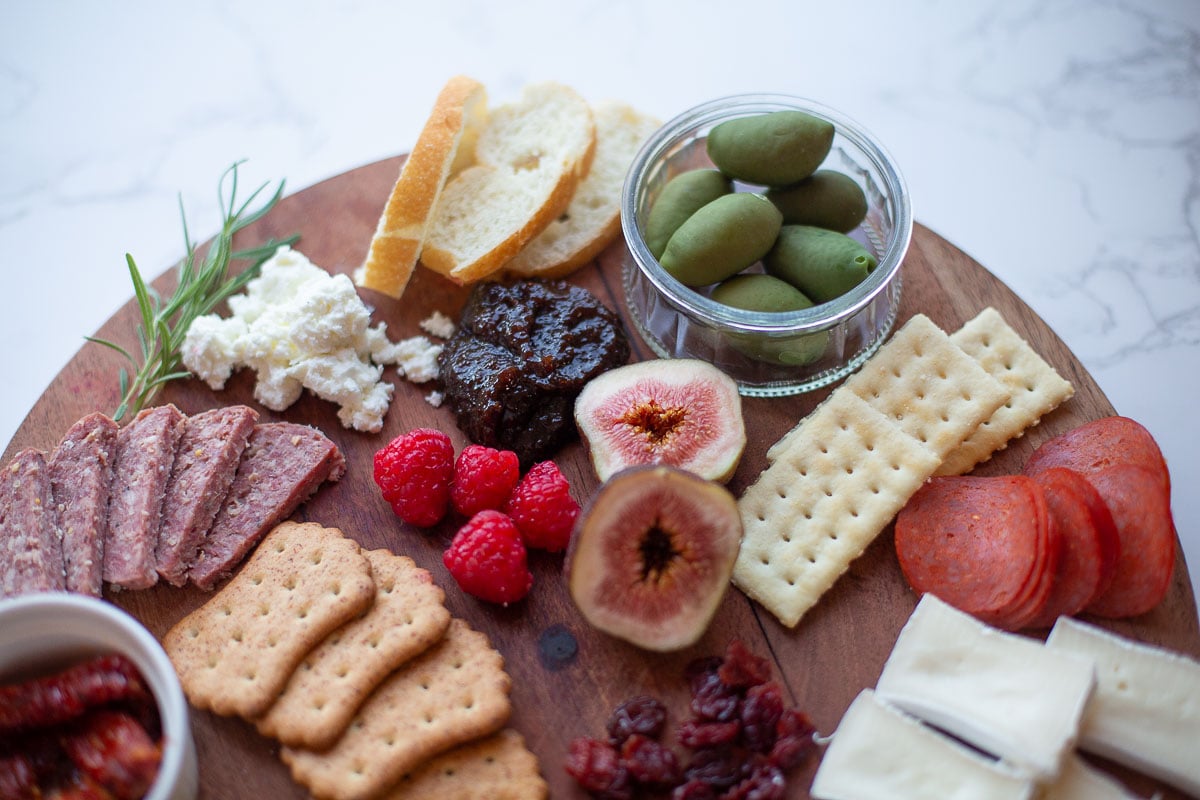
(837, 649)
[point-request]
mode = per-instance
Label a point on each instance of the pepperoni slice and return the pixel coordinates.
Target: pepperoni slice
(1100, 444)
(1089, 543)
(1142, 513)
(976, 542)
(1041, 584)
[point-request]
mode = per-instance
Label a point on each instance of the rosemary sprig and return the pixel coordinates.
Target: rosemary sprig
(201, 285)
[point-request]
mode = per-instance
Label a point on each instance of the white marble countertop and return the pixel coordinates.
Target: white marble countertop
(1056, 142)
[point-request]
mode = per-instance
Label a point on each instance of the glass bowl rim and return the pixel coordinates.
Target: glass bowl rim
(696, 306)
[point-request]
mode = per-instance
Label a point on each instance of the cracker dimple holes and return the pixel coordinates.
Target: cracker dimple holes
(408, 619)
(335, 589)
(342, 671)
(424, 686)
(257, 580)
(373, 643)
(237, 636)
(387, 587)
(302, 613)
(316, 557)
(290, 583)
(251, 676)
(428, 718)
(226, 611)
(279, 547)
(193, 633)
(263, 609)
(458, 663)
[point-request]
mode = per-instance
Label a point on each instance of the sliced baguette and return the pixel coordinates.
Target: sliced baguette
(530, 158)
(593, 219)
(445, 146)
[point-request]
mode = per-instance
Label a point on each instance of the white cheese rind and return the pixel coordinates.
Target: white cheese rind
(1079, 781)
(1145, 711)
(880, 753)
(1001, 692)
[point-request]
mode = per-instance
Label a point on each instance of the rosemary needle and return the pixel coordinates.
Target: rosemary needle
(201, 285)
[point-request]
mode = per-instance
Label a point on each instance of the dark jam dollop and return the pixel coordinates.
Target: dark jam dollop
(522, 353)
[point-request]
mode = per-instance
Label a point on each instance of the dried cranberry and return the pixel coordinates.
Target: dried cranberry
(764, 782)
(698, 670)
(712, 699)
(642, 714)
(697, 734)
(597, 766)
(694, 790)
(761, 711)
(794, 740)
(741, 668)
(650, 763)
(719, 767)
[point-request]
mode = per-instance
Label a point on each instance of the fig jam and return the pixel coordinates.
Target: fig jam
(521, 354)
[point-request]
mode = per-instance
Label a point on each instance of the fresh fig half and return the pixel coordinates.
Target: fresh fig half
(681, 412)
(651, 556)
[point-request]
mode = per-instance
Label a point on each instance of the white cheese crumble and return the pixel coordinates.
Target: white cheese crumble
(299, 327)
(439, 325)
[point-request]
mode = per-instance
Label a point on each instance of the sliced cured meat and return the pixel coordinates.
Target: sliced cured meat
(1100, 444)
(1090, 543)
(282, 466)
(1041, 583)
(976, 542)
(31, 557)
(80, 474)
(141, 469)
(206, 460)
(1142, 514)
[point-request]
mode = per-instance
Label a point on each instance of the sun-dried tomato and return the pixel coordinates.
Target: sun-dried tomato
(66, 695)
(113, 749)
(597, 766)
(642, 714)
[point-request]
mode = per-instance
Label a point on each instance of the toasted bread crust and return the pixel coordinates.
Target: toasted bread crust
(531, 157)
(446, 142)
(593, 218)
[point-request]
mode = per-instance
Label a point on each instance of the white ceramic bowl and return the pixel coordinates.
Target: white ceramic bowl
(677, 321)
(43, 632)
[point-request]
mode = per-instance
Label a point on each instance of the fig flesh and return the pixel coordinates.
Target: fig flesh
(681, 412)
(651, 557)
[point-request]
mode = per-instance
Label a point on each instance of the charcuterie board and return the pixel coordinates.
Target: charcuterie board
(566, 676)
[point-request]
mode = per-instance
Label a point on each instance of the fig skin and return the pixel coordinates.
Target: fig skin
(681, 412)
(652, 554)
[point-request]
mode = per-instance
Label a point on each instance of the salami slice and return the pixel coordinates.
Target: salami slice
(976, 542)
(31, 557)
(80, 473)
(206, 460)
(1090, 544)
(284, 463)
(1100, 444)
(145, 453)
(1142, 514)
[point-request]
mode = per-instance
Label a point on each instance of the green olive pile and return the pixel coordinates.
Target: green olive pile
(704, 233)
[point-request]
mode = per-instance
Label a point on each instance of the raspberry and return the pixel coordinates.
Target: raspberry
(483, 478)
(414, 472)
(487, 559)
(542, 507)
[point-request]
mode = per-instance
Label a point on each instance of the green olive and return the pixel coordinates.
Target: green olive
(823, 264)
(722, 238)
(775, 149)
(827, 199)
(767, 293)
(684, 195)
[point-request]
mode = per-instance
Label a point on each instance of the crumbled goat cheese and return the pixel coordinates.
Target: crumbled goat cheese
(439, 325)
(299, 327)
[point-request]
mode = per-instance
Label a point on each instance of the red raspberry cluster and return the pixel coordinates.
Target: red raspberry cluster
(506, 513)
(741, 736)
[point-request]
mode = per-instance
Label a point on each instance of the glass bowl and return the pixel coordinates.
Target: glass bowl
(769, 354)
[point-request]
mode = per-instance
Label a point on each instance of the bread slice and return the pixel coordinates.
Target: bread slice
(446, 145)
(593, 219)
(530, 158)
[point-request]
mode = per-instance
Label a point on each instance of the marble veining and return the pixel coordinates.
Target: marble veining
(1056, 142)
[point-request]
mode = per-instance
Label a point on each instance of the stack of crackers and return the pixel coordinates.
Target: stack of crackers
(927, 403)
(351, 661)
